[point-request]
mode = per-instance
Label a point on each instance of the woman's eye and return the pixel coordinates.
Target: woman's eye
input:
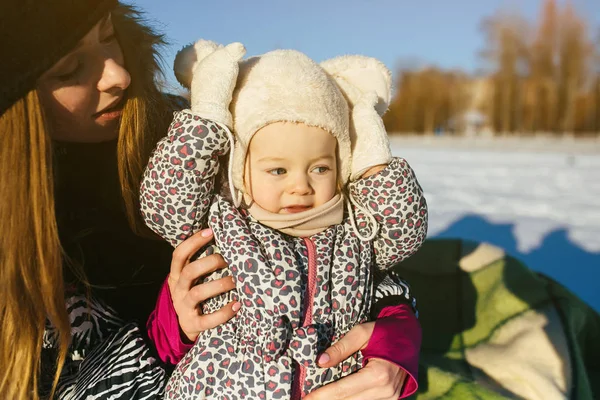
(110, 38)
(70, 74)
(277, 171)
(320, 170)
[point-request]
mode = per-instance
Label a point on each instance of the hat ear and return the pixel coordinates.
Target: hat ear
(187, 58)
(357, 75)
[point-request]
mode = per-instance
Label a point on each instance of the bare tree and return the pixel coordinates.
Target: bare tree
(543, 71)
(575, 52)
(538, 77)
(506, 52)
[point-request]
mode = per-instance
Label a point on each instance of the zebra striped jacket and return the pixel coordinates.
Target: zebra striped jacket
(107, 358)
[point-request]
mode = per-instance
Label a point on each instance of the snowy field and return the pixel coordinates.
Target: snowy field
(539, 199)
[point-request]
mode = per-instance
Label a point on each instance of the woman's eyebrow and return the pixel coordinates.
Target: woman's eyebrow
(102, 24)
(105, 20)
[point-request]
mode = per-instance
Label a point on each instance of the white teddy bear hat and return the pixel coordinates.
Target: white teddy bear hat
(286, 85)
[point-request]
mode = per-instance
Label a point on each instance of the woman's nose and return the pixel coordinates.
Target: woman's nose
(114, 76)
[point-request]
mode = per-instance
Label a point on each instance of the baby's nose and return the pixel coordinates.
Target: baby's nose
(300, 185)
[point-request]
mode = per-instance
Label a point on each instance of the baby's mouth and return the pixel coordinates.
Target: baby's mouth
(296, 209)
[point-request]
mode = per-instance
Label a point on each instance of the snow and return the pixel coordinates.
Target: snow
(538, 198)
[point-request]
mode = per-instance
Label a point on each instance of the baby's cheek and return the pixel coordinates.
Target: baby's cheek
(267, 199)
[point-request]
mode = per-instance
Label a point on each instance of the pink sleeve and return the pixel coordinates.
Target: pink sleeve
(397, 339)
(163, 329)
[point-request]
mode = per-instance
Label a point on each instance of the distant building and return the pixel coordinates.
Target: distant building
(473, 122)
(470, 123)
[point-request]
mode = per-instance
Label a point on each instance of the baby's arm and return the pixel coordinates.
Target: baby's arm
(178, 183)
(177, 190)
(395, 199)
(175, 196)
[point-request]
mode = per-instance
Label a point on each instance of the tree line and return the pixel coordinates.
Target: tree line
(538, 77)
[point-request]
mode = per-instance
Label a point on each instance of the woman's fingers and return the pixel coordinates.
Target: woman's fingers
(378, 380)
(372, 394)
(350, 385)
(387, 379)
(224, 314)
(353, 341)
(199, 268)
(193, 321)
(187, 295)
(186, 249)
(207, 290)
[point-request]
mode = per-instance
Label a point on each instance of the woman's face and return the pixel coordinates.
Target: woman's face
(83, 92)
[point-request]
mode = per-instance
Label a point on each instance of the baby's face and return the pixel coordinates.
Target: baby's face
(291, 167)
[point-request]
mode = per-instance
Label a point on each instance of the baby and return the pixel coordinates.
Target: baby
(317, 205)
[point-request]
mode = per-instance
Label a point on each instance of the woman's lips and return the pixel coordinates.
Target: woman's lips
(111, 113)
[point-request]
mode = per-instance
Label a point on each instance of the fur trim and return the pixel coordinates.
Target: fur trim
(184, 65)
(140, 43)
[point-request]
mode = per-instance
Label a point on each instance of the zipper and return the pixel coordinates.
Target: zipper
(311, 288)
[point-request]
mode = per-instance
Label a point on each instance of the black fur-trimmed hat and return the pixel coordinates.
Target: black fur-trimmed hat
(35, 34)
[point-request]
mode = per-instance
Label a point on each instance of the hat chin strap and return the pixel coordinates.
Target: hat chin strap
(351, 201)
(236, 195)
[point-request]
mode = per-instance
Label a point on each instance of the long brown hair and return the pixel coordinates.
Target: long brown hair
(30, 254)
(31, 260)
(147, 112)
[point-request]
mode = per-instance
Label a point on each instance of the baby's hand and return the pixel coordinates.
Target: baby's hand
(187, 296)
(370, 143)
(210, 70)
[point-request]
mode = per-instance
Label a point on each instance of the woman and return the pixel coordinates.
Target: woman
(80, 114)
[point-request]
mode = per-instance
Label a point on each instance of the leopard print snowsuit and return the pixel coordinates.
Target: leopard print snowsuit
(298, 295)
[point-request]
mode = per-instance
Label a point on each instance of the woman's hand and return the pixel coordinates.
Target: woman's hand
(378, 380)
(186, 295)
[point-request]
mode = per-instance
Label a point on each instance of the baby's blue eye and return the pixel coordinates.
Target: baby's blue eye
(277, 171)
(321, 170)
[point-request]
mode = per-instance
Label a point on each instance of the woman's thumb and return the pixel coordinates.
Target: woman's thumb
(356, 339)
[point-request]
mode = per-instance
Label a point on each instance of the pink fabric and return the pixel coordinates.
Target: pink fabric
(163, 329)
(397, 338)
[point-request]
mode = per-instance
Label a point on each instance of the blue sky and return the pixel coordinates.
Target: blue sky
(398, 32)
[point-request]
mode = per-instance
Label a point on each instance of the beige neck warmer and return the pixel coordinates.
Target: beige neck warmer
(302, 224)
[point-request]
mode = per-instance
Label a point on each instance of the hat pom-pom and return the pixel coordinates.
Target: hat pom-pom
(187, 57)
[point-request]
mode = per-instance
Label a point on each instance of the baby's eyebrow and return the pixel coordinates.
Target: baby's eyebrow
(324, 157)
(271, 159)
